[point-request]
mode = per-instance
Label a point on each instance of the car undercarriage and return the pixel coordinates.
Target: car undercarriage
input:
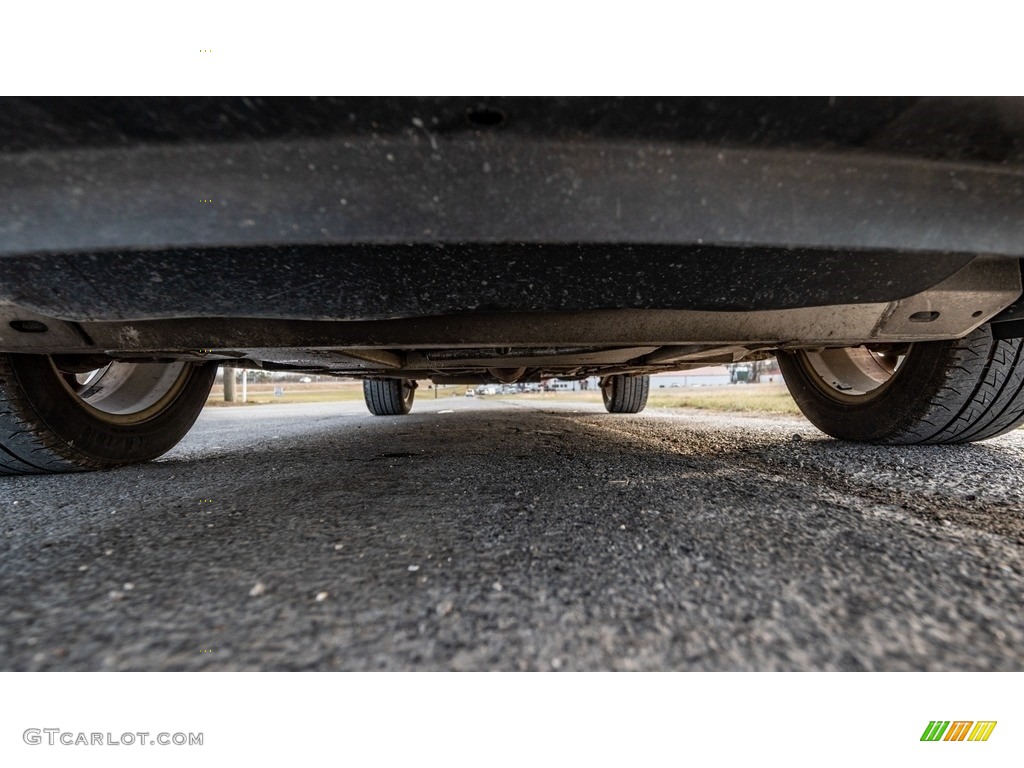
(470, 241)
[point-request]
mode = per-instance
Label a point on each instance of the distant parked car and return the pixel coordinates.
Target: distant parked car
(305, 380)
(470, 393)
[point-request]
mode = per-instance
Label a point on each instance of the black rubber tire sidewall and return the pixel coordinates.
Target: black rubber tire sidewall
(98, 442)
(893, 412)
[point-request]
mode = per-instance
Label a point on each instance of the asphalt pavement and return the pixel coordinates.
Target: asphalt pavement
(504, 535)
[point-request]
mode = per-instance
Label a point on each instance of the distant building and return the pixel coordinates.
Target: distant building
(589, 383)
(711, 376)
(756, 372)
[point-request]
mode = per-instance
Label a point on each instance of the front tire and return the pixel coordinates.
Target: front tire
(625, 394)
(54, 420)
(389, 397)
(936, 392)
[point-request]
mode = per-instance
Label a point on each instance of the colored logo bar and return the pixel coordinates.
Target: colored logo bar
(958, 730)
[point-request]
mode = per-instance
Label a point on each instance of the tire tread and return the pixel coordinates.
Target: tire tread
(628, 394)
(384, 397)
(29, 435)
(979, 395)
(32, 446)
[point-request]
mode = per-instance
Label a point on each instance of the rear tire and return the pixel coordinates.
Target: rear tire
(625, 394)
(50, 421)
(389, 397)
(942, 392)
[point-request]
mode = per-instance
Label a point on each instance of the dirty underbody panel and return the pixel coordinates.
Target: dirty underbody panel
(635, 311)
(502, 239)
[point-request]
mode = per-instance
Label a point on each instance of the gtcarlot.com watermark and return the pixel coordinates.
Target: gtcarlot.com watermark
(55, 736)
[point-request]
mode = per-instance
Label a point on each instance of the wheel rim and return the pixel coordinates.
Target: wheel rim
(408, 390)
(853, 374)
(126, 393)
